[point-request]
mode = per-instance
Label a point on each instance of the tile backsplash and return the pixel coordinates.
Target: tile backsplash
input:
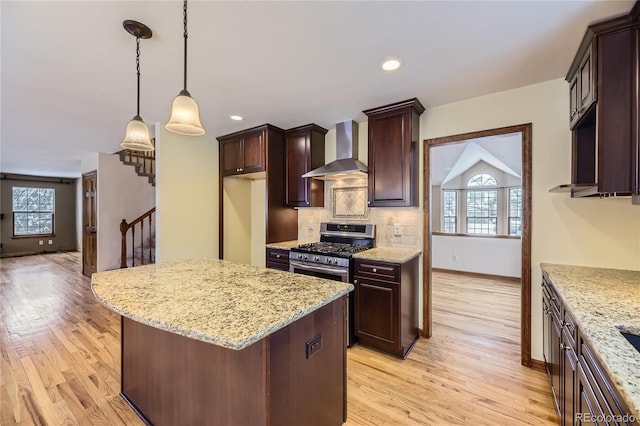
(409, 219)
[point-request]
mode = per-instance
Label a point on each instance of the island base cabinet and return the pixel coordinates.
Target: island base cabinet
(169, 379)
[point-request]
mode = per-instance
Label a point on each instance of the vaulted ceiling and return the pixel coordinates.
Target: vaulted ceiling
(68, 68)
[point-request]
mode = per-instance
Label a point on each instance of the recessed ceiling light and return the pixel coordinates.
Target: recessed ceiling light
(236, 117)
(391, 64)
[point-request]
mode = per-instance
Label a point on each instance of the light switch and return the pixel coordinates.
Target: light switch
(397, 230)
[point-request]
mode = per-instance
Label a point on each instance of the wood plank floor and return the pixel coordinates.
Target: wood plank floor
(60, 357)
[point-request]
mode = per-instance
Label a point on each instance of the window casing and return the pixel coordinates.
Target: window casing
(33, 211)
(450, 211)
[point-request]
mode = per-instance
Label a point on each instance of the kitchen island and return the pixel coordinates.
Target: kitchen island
(206, 341)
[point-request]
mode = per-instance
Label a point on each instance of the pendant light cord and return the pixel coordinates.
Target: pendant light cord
(138, 72)
(185, 44)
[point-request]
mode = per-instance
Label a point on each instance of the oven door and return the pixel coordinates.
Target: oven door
(321, 271)
(330, 273)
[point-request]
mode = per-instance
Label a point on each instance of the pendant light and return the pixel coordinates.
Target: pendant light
(137, 135)
(185, 117)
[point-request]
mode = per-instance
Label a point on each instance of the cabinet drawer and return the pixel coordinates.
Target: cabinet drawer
(277, 255)
(278, 259)
(571, 330)
(378, 270)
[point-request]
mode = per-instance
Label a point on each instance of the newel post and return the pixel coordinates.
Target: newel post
(124, 227)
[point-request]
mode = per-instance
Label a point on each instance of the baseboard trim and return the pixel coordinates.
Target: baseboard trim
(33, 253)
(538, 365)
(477, 275)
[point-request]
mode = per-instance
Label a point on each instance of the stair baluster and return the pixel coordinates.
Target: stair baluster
(125, 227)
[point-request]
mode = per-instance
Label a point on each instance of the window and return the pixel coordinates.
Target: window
(515, 211)
(482, 179)
(482, 212)
(33, 211)
(450, 211)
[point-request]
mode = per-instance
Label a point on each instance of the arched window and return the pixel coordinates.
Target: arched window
(482, 205)
(482, 179)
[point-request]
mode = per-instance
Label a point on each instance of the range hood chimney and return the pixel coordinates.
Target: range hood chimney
(346, 165)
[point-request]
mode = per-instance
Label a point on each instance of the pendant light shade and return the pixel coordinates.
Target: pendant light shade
(137, 137)
(185, 115)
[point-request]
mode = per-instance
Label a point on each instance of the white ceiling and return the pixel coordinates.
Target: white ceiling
(68, 68)
(449, 161)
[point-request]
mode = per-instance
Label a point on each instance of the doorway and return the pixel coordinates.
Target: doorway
(89, 223)
(525, 273)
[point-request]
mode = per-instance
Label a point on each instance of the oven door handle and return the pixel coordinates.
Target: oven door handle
(307, 267)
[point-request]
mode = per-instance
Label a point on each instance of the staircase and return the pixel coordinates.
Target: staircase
(141, 237)
(144, 162)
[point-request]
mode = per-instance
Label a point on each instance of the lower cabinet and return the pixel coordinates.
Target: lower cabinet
(583, 393)
(277, 259)
(386, 305)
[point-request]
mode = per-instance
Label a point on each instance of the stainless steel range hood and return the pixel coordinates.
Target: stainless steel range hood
(346, 165)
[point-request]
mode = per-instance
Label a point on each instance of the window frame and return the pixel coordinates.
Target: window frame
(519, 211)
(491, 213)
(444, 211)
(28, 211)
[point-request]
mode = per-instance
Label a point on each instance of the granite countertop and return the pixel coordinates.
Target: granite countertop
(603, 302)
(388, 254)
(215, 301)
(284, 245)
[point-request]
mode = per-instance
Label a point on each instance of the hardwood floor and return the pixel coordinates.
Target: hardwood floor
(60, 357)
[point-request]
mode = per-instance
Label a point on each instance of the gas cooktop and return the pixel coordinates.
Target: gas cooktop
(333, 249)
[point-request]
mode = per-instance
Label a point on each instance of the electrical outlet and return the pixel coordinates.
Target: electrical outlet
(314, 345)
(50, 242)
(397, 230)
(455, 258)
(310, 226)
(41, 242)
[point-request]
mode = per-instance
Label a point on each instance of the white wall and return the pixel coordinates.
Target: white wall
(237, 220)
(494, 256)
(588, 232)
(122, 194)
(186, 196)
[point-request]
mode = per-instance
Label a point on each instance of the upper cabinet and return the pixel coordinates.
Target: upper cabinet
(243, 152)
(582, 84)
(250, 210)
(603, 81)
(304, 151)
(393, 154)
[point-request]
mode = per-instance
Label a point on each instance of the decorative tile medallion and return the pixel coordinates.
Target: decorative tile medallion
(350, 203)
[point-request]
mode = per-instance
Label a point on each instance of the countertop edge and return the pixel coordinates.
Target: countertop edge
(372, 254)
(235, 345)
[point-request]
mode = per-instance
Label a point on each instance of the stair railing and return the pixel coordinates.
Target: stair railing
(126, 227)
(144, 162)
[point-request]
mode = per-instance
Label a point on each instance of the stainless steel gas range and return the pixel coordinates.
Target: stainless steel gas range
(332, 256)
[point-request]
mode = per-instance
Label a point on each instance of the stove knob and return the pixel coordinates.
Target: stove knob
(327, 260)
(316, 258)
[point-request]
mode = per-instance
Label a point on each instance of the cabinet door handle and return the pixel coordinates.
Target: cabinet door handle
(355, 281)
(375, 269)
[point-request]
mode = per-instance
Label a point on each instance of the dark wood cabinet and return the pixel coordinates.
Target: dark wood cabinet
(278, 259)
(581, 389)
(582, 86)
(393, 154)
(243, 153)
(386, 305)
(603, 80)
(304, 151)
(258, 154)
